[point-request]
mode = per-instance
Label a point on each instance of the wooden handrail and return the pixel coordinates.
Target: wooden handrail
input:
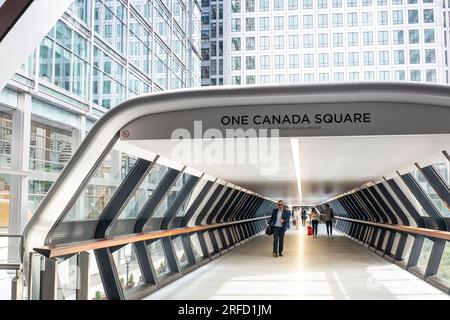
(438, 234)
(59, 250)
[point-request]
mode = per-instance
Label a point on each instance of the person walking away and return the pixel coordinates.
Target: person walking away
(304, 216)
(297, 219)
(328, 217)
(285, 207)
(314, 219)
(279, 221)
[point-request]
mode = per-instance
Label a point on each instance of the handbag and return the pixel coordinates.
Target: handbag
(269, 230)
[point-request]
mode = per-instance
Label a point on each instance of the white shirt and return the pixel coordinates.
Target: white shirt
(278, 221)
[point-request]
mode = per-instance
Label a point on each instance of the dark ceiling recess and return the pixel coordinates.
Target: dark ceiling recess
(10, 13)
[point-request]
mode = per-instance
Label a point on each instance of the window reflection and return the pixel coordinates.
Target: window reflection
(159, 259)
(196, 247)
(128, 269)
(5, 196)
(444, 266)
(408, 247)
(428, 189)
(67, 278)
(180, 252)
(5, 139)
(172, 195)
(425, 255)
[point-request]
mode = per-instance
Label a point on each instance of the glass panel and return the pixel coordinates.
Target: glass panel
(425, 255)
(172, 195)
(37, 190)
(432, 195)
(395, 243)
(101, 187)
(143, 193)
(96, 290)
(5, 139)
(218, 239)
(196, 247)
(159, 259)
(50, 148)
(410, 196)
(208, 242)
(5, 196)
(407, 249)
(202, 205)
(67, 276)
(180, 252)
(385, 240)
(128, 267)
(444, 265)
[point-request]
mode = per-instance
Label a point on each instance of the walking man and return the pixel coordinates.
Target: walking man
(328, 217)
(279, 221)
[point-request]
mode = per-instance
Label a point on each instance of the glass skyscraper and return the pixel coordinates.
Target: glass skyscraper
(99, 53)
(304, 41)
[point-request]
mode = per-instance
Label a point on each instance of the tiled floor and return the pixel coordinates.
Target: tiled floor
(311, 268)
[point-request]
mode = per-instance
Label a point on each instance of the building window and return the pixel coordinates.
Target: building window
(236, 80)
(307, 4)
(338, 76)
(264, 5)
(50, 148)
(293, 41)
(353, 59)
(278, 5)
(264, 78)
(428, 15)
(264, 62)
(235, 63)
(353, 39)
(235, 44)
(430, 56)
(249, 5)
(250, 79)
(292, 4)
(383, 38)
(367, 19)
(250, 43)
(399, 75)
(308, 41)
(368, 58)
(279, 61)
(249, 24)
(278, 23)
(294, 61)
(383, 57)
(323, 60)
(308, 22)
(250, 63)
(353, 76)
(323, 40)
(293, 22)
(264, 43)
(338, 40)
(429, 35)
(399, 57)
(323, 21)
(264, 23)
(337, 3)
(279, 42)
(431, 75)
(383, 18)
(413, 36)
(352, 3)
(397, 17)
(383, 75)
(235, 6)
(398, 37)
(413, 16)
(338, 58)
(415, 75)
(368, 38)
(352, 19)
(369, 75)
(235, 25)
(5, 139)
(337, 20)
(322, 4)
(308, 60)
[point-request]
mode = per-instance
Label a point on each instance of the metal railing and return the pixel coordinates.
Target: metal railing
(13, 262)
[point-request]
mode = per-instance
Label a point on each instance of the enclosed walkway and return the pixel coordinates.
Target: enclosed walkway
(321, 268)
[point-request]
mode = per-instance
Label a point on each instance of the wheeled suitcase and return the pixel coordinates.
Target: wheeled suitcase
(310, 231)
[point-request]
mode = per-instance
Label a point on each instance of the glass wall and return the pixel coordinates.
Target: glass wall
(5, 196)
(444, 266)
(425, 255)
(127, 266)
(180, 253)
(172, 195)
(50, 148)
(428, 189)
(5, 139)
(159, 259)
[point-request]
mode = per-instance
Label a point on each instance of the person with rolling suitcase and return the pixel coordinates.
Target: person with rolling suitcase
(314, 219)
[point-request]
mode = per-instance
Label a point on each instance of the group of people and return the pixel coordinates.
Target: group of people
(280, 222)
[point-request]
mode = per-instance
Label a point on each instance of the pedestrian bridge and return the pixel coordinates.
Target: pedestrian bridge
(165, 184)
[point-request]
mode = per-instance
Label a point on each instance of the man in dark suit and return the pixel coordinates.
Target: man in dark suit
(279, 221)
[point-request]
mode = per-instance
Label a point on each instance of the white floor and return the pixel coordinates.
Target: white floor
(311, 268)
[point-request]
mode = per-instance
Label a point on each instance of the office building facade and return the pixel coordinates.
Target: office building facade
(305, 41)
(99, 54)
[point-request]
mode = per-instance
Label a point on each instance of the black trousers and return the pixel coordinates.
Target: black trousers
(329, 227)
(278, 239)
(315, 224)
